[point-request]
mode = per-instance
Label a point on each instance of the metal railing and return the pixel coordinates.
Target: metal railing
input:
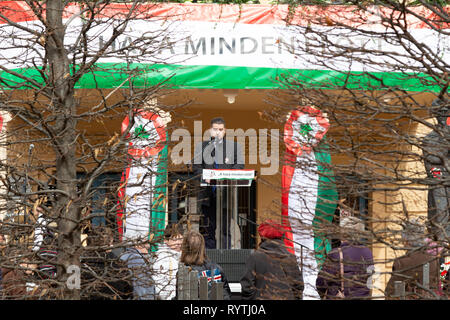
(193, 287)
(399, 286)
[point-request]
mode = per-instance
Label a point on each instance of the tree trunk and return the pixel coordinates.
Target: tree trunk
(62, 94)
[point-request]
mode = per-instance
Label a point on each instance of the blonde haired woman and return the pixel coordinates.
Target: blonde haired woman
(193, 255)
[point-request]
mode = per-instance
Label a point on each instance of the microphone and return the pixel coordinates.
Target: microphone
(30, 149)
(212, 140)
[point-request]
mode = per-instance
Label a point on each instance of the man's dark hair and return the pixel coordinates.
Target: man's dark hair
(218, 120)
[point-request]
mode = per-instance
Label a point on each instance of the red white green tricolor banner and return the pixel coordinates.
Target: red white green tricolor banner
(226, 46)
(309, 194)
(142, 196)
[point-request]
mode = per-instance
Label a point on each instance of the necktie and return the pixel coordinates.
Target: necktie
(216, 166)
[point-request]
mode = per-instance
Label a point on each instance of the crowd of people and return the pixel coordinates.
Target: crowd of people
(271, 271)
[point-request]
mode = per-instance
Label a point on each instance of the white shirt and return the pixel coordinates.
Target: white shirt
(165, 270)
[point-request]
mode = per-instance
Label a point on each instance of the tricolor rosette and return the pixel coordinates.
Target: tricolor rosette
(304, 129)
(147, 135)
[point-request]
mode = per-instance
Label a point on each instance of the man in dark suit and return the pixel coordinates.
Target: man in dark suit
(437, 160)
(217, 153)
(408, 268)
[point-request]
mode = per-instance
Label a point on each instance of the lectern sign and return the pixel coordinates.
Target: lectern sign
(217, 174)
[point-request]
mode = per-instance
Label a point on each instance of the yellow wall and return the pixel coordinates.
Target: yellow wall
(388, 207)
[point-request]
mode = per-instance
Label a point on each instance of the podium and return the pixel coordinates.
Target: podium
(226, 182)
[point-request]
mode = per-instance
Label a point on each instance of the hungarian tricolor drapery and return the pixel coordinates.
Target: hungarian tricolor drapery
(213, 46)
(309, 193)
(142, 193)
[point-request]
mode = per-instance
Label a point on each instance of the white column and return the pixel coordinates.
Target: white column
(5, 118)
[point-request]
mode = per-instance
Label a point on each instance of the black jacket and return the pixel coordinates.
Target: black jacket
(229, 156)
(409, 269)
(436, 160)
(272, 273)
(105, 277)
